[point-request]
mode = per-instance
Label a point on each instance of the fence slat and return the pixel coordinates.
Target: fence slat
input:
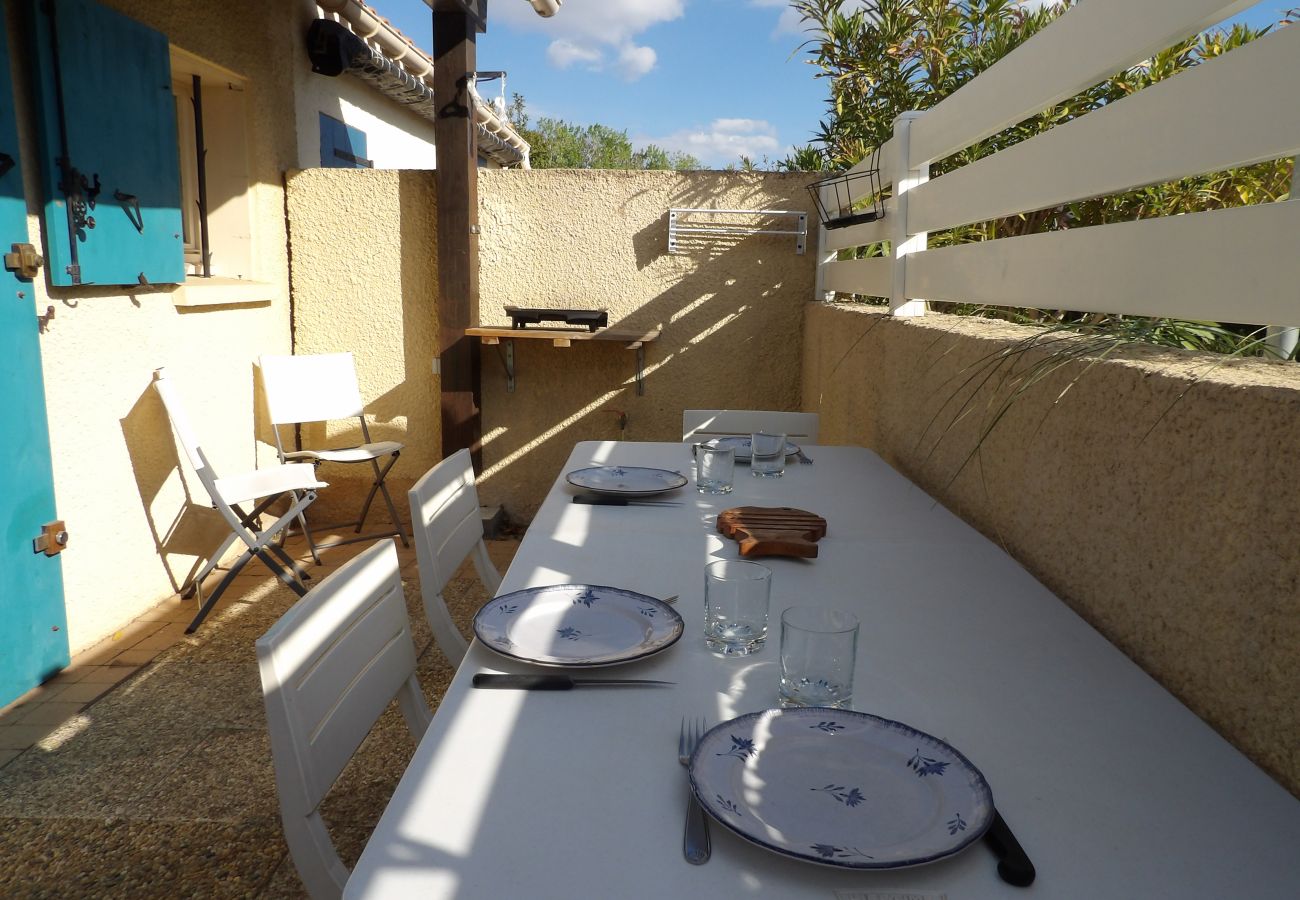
(1090, 42)
(1223, 113)
(858, 276)
(1229, 265)
(858, 235)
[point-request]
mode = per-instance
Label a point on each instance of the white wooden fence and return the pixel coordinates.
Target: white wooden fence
(1231, 265)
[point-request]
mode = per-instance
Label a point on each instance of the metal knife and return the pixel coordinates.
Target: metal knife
(1014, 866)
(555, 682)
(621, 501)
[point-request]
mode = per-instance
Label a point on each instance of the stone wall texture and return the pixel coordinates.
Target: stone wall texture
(1155, 492)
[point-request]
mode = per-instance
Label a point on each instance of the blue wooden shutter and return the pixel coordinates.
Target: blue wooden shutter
(342, 146)
(109, 157)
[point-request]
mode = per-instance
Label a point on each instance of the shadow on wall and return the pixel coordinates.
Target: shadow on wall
(184, 526)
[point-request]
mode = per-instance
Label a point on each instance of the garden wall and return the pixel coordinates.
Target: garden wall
(1157, 495)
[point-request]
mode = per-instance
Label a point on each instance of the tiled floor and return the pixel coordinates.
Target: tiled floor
(144, 769)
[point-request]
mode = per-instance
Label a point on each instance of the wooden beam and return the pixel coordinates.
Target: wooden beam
(457, 181)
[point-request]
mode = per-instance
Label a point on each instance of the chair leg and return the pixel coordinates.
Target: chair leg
(378, 485)
(392, 510)
(282, 573)
(299, 572)
(306, 533)
(207, 605)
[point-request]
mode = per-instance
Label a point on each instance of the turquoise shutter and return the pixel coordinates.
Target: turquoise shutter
(342, 146)
(109, 159)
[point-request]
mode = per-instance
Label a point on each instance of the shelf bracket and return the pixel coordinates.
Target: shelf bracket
(510, 365)
(640, 370)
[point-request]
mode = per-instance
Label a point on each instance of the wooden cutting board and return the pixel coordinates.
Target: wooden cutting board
(773, 530)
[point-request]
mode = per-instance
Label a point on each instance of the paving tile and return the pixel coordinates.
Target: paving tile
(105, 674)
(49, 712)
(7, 755)
(134, 657)
(20, 737)
(83, 692)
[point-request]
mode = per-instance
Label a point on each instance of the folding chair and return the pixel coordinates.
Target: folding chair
(447, 528)
(321, 388)
(329, 668)
(263, 487)
(702, 424)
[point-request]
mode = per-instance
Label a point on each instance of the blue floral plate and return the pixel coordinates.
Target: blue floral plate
(577, 625)
(840, 788)
(626, 481)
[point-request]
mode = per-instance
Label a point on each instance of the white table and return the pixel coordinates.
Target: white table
(1114, 788)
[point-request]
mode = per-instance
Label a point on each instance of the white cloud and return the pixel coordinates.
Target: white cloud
(634, 61)
(584, 30)
(722, 142)
(563, 53)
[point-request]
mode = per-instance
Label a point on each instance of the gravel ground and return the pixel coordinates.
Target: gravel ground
(164, 786)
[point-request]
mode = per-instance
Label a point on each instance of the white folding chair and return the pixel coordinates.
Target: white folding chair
(262, 487)
(329, 668)
(447, 528)
(702, 424)
(320, 388)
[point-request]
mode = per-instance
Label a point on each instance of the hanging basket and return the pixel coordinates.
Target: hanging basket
(849, 199)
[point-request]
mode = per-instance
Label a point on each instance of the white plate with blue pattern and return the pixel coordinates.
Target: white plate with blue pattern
(577, 625)
(744, 446)
(840, 788)
(626, 481)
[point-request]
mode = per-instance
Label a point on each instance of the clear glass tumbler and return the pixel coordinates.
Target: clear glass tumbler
(736, 598)
(767, 458)
(715, 469)
(818, 650)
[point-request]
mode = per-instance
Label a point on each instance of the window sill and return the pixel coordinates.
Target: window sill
(223, 292)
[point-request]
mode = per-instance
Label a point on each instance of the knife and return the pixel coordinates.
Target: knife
(554, 682)
(1014, 866)
(621, 501)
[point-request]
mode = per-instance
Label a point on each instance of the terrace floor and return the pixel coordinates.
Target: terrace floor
(144, 769)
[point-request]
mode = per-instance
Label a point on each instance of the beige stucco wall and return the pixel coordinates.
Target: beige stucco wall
(365, 279)
(137, 526)
(1157, 498)
(730, 312)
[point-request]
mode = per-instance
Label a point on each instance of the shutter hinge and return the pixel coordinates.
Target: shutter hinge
(53, 538)
(24, 261)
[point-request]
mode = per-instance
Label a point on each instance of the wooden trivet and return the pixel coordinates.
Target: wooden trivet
(773, 530)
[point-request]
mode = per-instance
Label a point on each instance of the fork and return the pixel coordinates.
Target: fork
(695, 843)
(803, 459)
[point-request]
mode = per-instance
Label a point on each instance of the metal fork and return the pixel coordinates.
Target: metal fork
(695, 843)
(803, 459)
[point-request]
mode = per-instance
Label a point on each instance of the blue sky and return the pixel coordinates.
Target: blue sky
(713, 78)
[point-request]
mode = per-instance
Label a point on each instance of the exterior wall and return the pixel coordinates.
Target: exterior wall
(137, 526)
(1157, 497)
(365, 279)
(730, 311)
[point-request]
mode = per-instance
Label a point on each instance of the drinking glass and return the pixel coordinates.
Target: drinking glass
(715, 469)
(818, 649)
(736, 597)
(767, 458)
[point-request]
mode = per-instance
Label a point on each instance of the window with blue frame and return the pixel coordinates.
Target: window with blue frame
(342, 146)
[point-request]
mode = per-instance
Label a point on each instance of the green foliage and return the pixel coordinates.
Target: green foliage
(885, 57)
(557, 144)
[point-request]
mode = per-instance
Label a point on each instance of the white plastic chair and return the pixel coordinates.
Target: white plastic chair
(447, 528)
(262, 487)
(329, 668)
(320, 388)
(702, 424)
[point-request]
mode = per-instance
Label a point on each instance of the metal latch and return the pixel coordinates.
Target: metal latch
(53, 538)
(24, 261)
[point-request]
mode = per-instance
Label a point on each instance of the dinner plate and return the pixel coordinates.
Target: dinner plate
(840, 788)
(577, 625)
(626, 481)
(742, 444)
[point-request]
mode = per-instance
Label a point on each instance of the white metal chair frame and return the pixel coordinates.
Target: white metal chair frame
(264, 487)
(320, 388)
(447, 528)
(700, 424)
(330, 666)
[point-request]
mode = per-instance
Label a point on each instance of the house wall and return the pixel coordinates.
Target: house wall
(1156, 496)
(365, 279)
(137, 525)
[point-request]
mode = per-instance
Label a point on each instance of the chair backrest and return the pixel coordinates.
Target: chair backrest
(330, 666)
(447, 528)
(312, 388)
(699, 424)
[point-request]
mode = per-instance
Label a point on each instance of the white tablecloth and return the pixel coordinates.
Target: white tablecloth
(1113, 787)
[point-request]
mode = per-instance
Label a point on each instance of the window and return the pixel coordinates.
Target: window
(342, 146)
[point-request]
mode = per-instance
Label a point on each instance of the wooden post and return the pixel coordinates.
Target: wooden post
(456, 174)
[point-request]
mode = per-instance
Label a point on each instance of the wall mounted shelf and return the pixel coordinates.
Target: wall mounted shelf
(564, 337)
(696, 222)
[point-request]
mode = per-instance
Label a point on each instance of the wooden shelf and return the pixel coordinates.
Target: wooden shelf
(564, 337)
